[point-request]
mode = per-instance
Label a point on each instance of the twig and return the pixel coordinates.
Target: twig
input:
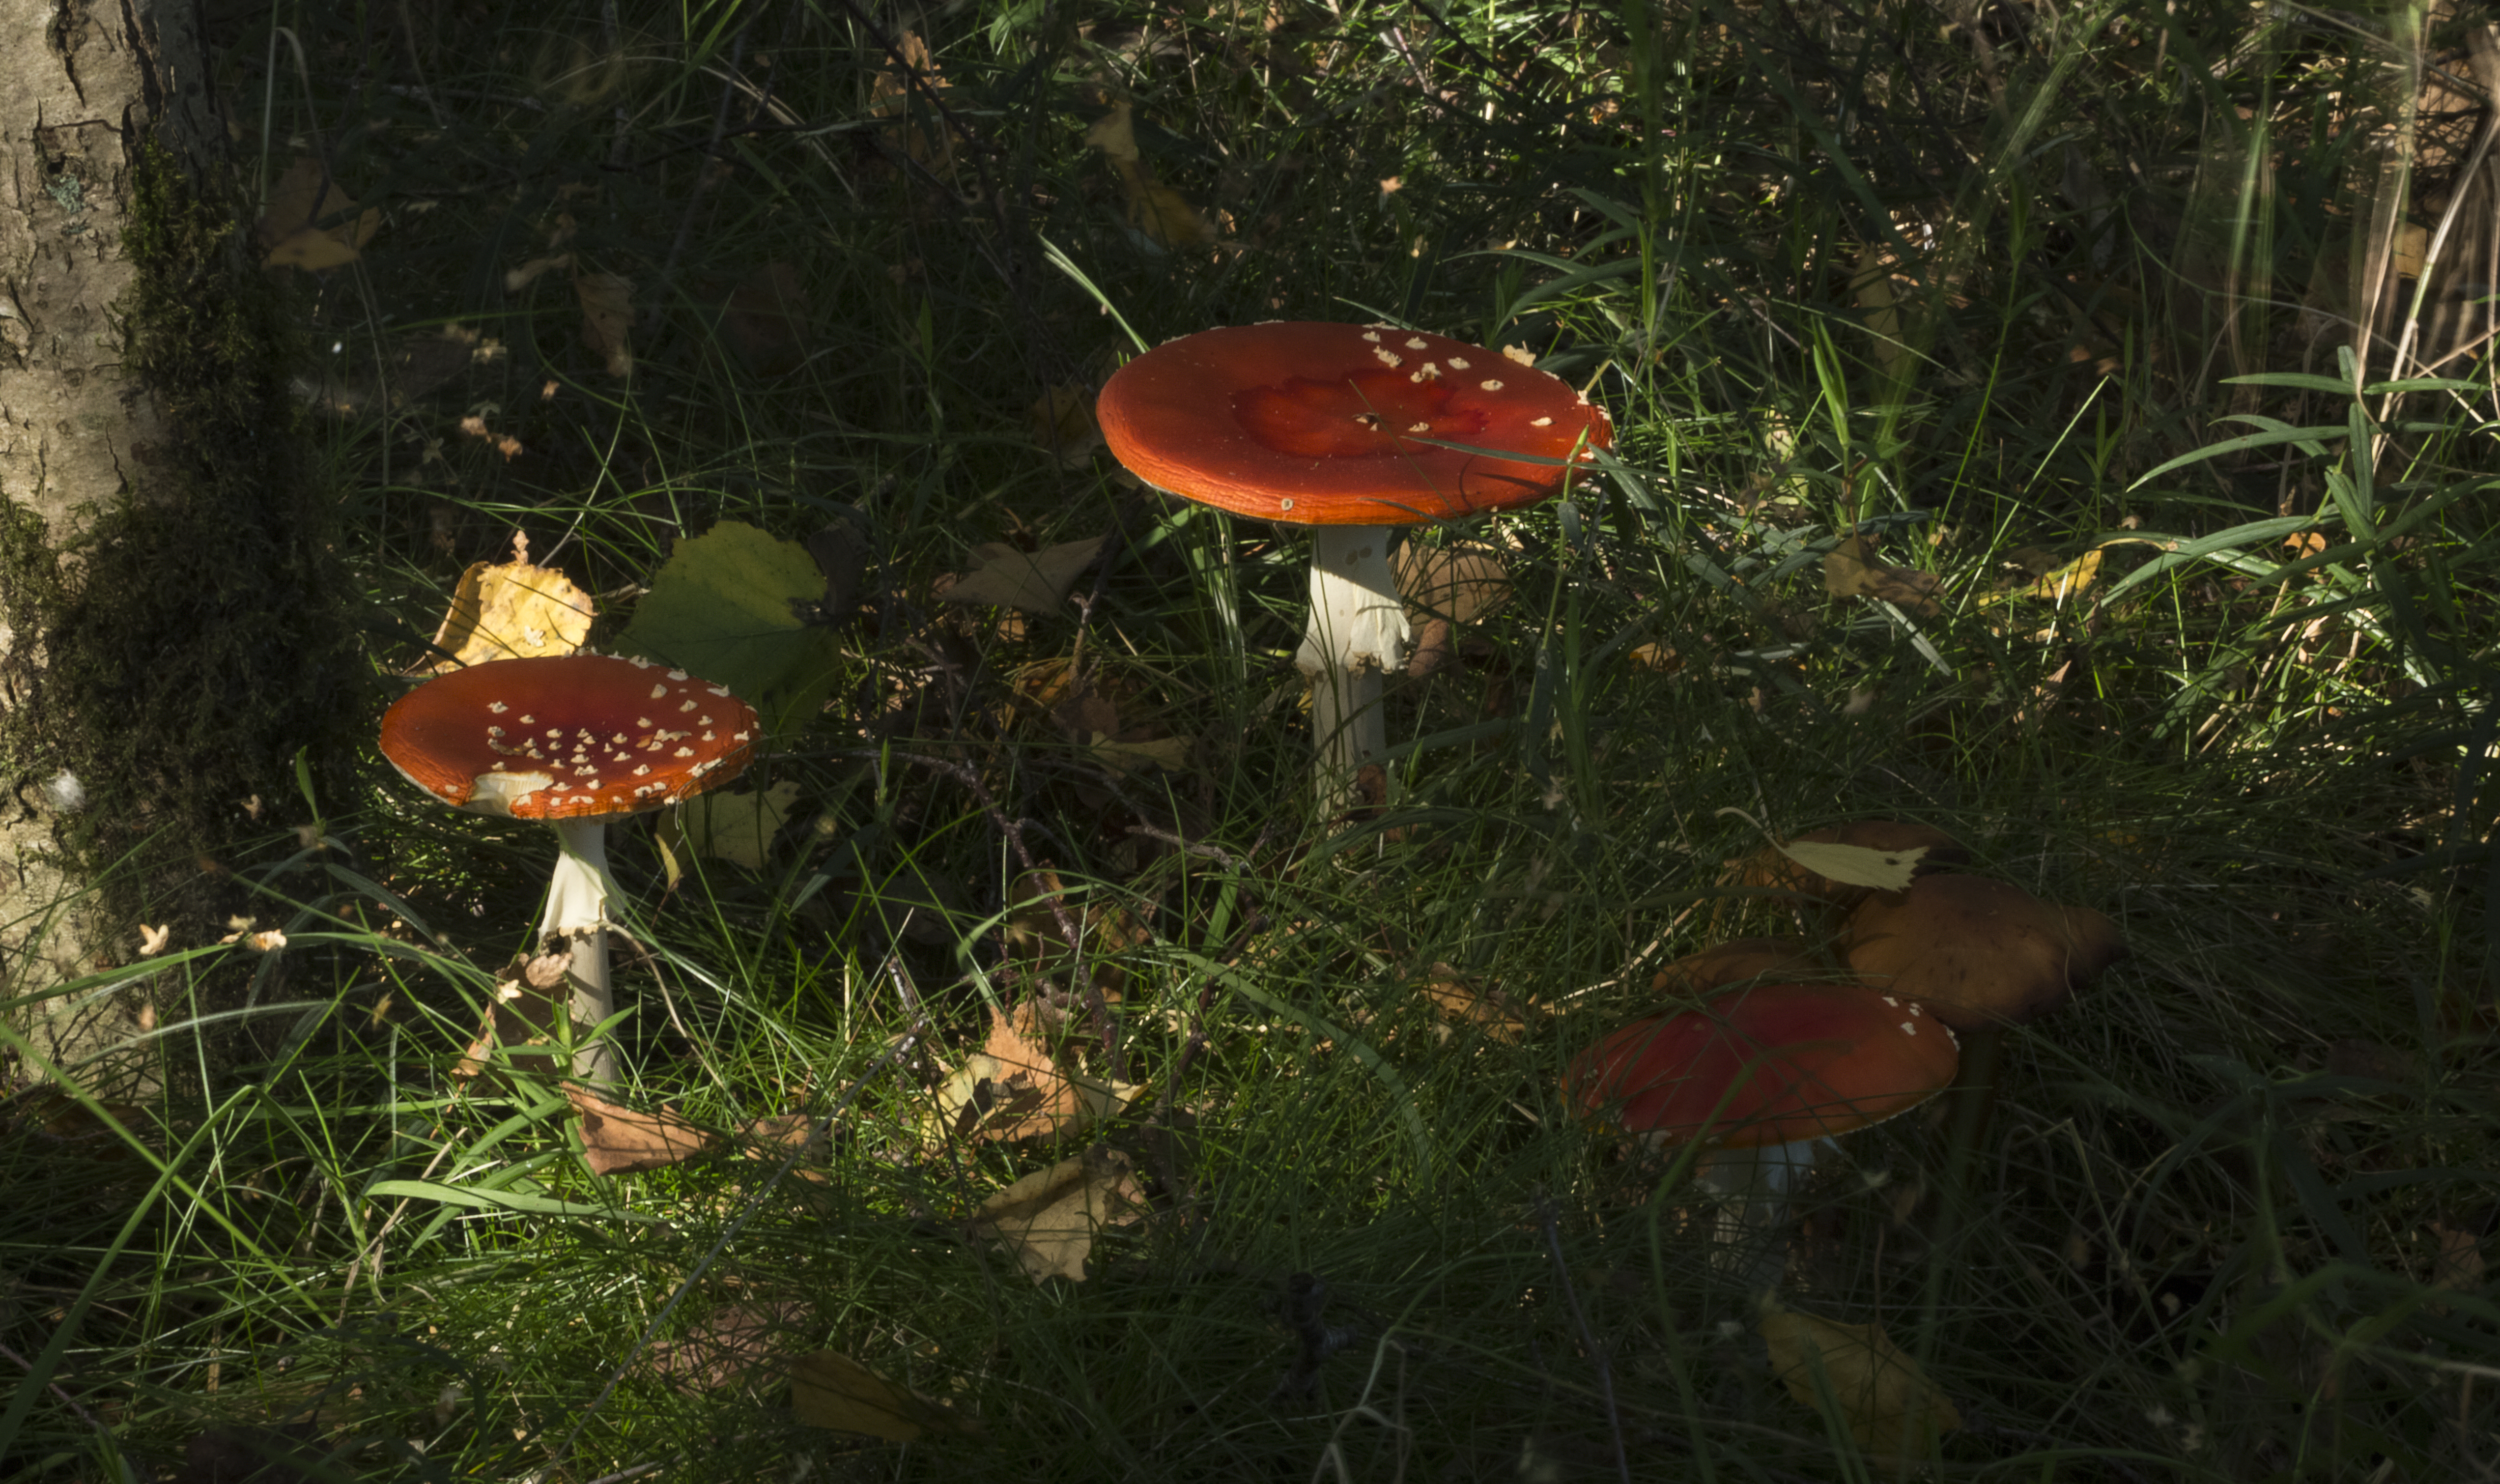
(54, 1386)
(1588, 1339)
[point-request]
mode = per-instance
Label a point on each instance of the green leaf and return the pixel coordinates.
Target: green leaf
(501, 1201)
(720, 609)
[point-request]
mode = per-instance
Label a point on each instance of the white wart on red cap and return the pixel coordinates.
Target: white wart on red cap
(568, 736)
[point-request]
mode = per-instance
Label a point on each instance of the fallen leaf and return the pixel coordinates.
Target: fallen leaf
(905, 97)
(517, 278)
(1856, 865)
(1887, 1403)
(2456, 1267)
(764, 319)
(721, 608)
(828, 1389)
(1852, 570)
(1171, 754)
(1164, 217)
(2070, 580)
(1035, 941)
(290, 230)
(1013, 1088)
(619, 1140)
(727, 1344)
(152, 940)
(1657, 657)
(734, 827)
(1444, 587)
(1034, 581)
(1459, 999)
(509, 610)
(1062, 420)
(1049, 1218)
(521, 1016)
(608, 318)
(1863, 855)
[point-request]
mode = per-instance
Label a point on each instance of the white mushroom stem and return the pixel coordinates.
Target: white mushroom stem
(1754, 1186)
(1357, 634)
(577, 906)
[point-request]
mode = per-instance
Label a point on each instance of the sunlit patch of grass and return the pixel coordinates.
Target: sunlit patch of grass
(2228, 1220)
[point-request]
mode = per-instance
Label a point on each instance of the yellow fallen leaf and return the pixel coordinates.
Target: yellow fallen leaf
(1164, 217)
(1049, 1218)
(517, 278)
(828, 1389)
(1171, 754)
(1034, 581)
(2071, 581)
(1856, 865)
(289, 229)
(1887, 1403)
(509, 610)
(608, 318)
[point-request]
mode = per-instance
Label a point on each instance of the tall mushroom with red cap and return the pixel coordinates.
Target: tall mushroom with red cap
(1760, 1077)
(1350, 430)
(575, 741)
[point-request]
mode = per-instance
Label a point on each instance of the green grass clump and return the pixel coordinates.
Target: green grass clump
(2104, 330)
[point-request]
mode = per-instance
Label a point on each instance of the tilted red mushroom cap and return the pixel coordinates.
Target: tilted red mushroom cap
(1772, 1065)
(568, 737)
(1315, 423)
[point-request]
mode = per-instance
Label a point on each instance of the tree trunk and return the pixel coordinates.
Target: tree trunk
(169, 622)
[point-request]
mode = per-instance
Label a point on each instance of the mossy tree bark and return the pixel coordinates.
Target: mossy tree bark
(171, 628)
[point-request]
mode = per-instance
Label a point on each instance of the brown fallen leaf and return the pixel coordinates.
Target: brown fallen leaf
(1163, 215)
(608, 318)
(299, 201)
(1445, 588)
(728, 1343)
(520, 1017)
(828, 1389)
(620, 1140)
(1049, 1218)
(1014, 1088)
(1033, 582)
(509, 610)
(1882, 1396)
(1852, 570)
(905, 97)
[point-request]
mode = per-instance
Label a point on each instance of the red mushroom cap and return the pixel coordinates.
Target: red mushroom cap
(568, 737)
(1314, 423)
(1770, 1065)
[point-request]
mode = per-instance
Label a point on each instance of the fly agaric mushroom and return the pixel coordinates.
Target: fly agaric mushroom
(575, 741)
(1976, 951)
(1322, 425)
(1760, 1076)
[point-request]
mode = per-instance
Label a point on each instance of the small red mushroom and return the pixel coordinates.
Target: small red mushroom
(575, 741)
(1342, 428)
(1760, 1077)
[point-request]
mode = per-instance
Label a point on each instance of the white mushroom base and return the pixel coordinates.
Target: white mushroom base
(1356, 635)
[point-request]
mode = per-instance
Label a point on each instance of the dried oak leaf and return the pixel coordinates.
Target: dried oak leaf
(1852, 570)
(1013, 1088)
(1049, 1218)
(1032, 581)
(828, 1389)
(620, 1140)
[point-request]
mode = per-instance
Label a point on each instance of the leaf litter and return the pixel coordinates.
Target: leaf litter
(1049, 1219)
(510, 610)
